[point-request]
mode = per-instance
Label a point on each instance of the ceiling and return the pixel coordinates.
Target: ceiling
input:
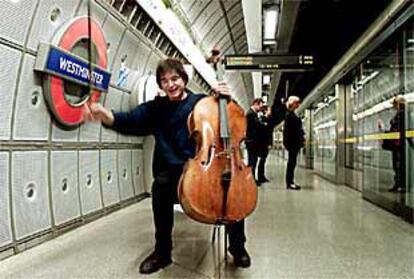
(219, 23)
(322, 28)
(325, 29)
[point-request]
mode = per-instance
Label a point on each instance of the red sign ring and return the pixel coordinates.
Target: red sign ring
(68, 115)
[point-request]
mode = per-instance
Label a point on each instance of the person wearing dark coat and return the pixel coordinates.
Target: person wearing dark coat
(278, 112)
(293, 140)
(395, 145)
(254, 128)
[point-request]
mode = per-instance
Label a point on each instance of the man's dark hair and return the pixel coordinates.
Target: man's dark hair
(257, 101)
(264, 108)
(170, 64)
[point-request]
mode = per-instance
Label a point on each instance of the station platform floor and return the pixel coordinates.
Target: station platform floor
(322, 231)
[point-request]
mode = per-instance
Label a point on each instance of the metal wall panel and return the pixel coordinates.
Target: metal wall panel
(89, 132)
(59, 134)
(143, 53)
(31, 117)
(147, 157)
(30, 192)
(109, 177)
(15, 19)
(125, 107)
(9, 64)
(89, 182)
(152, 64)
(138, 172)
(113, 30)
(97, 12)
(5, 230)
(50, 15)
(113, 102)
(124, 61)
(64, 185)
(124, 174)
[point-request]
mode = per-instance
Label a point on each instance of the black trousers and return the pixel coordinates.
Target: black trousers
(262, 165)
(396, 165)
(164, 195)
(252, 158)
(291, 165)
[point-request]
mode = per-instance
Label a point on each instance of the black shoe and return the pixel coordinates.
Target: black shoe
(394, 188)
(263, 180)
(154, 263)
(258, 183)
(293, 187)
(240, 257)
(400, 190)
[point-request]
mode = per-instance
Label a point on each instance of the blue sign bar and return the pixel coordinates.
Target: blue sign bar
(68, 66)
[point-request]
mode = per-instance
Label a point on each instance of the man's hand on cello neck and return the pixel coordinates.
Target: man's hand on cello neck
(222, 88)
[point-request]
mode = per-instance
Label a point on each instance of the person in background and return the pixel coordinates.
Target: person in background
(265, 142)
(165, 117)
(254, 128)
(394, 145)
(278, 112)
(293, 140)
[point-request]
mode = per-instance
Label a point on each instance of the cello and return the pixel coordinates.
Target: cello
(216, 186)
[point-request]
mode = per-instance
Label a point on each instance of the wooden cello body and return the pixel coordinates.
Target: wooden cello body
(216, 186)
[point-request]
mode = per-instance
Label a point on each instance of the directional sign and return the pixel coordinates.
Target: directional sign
(269, 62)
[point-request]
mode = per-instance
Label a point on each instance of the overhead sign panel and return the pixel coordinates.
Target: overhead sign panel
(269, 62)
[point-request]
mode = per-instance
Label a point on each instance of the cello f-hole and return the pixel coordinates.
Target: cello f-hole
(209, 155)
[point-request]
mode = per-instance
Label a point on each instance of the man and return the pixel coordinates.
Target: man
(293, 140)
(254, 128)
(166, 119)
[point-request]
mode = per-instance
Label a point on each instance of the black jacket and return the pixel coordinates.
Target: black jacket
(395, 126)
(293, 134)
(278, 113)
(254, 130)
(265, 133)
(167, 121)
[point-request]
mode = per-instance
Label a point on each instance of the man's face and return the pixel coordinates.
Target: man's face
(257, 106)
(296, 105)
(173, 85)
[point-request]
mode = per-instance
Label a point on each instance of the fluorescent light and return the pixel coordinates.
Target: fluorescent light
(269, 42)
(270, 24)
(266, 79)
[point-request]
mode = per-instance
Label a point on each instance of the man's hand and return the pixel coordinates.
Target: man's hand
(222, 88)
(95, 112)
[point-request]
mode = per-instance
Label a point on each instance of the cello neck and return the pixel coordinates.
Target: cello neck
(224, 122)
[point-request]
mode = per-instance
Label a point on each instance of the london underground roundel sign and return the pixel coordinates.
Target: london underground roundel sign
(75, 69)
